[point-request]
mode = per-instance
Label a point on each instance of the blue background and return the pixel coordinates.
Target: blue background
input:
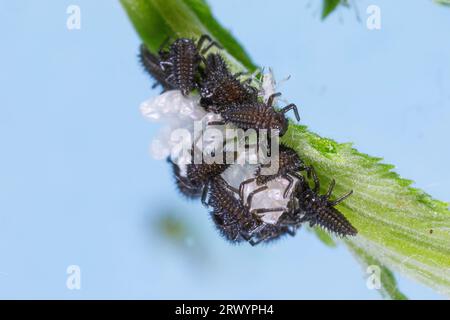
(77, 185)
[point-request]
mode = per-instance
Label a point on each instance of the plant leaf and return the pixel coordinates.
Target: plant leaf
(400, 227)
(324, 236)
(389, 289)
(328, 7)
(156, 20)
(443, 2)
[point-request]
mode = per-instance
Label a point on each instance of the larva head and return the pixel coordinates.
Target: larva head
(319, 210)
(280, 123)
(309, 202)
(184, 44)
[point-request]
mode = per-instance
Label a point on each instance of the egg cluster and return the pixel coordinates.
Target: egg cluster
(253, 195)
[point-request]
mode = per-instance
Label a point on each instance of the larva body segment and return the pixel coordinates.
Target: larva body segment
(220, 89)
(178, 66)
(183, 62)
(230, 216)
(334, 221)
(200, 174)
(255, 116)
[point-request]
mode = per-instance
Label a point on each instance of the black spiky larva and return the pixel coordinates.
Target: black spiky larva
(319, 209)
(184, 185)
(235, 221)
(151, 64)
(220, 89)
(181, 62)
(259, 116)
(200, 174)
(231, 217)
(215, 66)
(289, 164)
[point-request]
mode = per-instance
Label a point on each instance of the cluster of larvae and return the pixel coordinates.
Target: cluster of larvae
(245, 204)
